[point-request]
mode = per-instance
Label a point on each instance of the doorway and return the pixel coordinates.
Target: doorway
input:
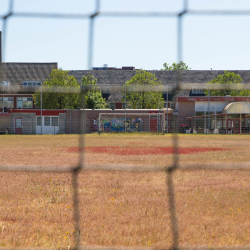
(18, 126)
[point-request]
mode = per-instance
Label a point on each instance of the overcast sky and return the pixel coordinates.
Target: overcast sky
(219, 42)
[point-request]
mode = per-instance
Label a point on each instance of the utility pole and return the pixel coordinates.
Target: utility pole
(208, 109)
(41, 105)
(167, 108)
(125, 109)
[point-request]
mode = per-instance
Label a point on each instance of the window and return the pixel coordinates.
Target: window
(106, 90)
(4, 86)
(4, 83)
(8, 102)
(201, 113)
(38, 121)
(54, 121)
(24, 102)
(198, 113)
(31, 84)
(170, 105)
(46, 121)
(18, 123)
(112, 105)
(197, 91)
(123, 106)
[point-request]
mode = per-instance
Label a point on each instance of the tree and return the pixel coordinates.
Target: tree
(92, 96)
(176, 66)
(65, 100)
(229, 79)
(145, 97)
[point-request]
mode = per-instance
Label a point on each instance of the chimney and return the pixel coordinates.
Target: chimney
(0, 46)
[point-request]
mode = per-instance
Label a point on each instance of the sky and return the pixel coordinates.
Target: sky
(217, 42)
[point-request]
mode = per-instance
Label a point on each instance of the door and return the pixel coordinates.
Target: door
(18, 126)
(153, 124)
(229, 126)
(236, 126)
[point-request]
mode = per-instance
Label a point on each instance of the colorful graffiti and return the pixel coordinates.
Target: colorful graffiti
(119, 125)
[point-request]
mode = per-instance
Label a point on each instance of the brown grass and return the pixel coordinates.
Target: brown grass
(123, 208)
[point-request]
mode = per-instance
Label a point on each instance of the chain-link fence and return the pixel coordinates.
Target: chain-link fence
(78, 122)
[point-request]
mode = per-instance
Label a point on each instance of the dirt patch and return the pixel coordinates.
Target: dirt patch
(142, 150)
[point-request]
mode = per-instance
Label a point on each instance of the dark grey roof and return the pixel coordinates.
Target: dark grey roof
(166, 76)
(16, 73)
(119, 77)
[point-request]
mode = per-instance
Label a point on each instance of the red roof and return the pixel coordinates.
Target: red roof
(38, 111)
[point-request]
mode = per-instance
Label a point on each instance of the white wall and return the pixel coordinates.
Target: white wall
(219, 106)
(47, 129)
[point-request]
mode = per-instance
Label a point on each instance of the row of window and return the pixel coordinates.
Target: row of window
(48, 121)
(22, 102)
(4, 83)
(27, 102)
(7, 102)
(112, 105)
(197, 91)
(31, 84)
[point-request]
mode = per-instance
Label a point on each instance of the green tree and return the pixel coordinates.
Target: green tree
(145, 97)
(65, 100)
(229, 79)
(92, 96)
(176, 66)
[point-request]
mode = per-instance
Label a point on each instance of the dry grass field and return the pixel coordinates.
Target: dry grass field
(124, 208)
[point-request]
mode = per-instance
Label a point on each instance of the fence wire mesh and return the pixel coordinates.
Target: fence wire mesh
(195, 123)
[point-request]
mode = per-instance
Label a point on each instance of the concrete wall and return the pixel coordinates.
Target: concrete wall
(62, 123)
(28, 122)
(5, 122)
(185, 109)
(74, 118)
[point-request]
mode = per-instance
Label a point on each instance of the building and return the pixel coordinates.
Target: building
(220, 115)
(19, 81)
(108, 80)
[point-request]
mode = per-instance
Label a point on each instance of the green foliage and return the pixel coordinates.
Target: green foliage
(92, 96)
(145, 99)
(176, 66)
(64, 100)
(230, 79)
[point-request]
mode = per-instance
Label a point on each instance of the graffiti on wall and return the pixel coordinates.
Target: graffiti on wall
(119, 125)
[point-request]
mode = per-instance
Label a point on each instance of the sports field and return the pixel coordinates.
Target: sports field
(125, 208)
